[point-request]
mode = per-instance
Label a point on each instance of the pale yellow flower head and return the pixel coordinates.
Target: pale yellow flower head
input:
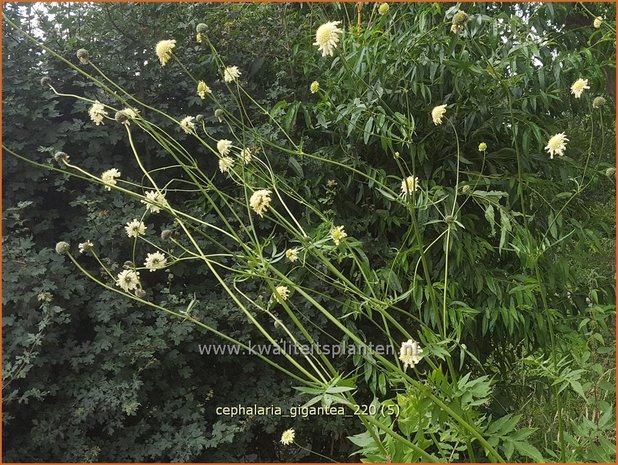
(155, 261)
(409, 185)
(135, 228)
(126, 115)
(383, 9)
(281, 293)
(128, 280)
(438, 113)
(187, 124)
(203, 90)
(410, 354)
(231, 73)
(292, 254)
(224, 146)
(109, 177)
(154, 201)
(557, 145)
(246, 155)
(260, 201)
(226, 164)
(164, 50)
(337, 234)
(97, 112)
(579, 86)
(482, 147)
(597, 22)
(287, 437)
(327, 37)
(45, 297)
(85, 246)
(314, 87)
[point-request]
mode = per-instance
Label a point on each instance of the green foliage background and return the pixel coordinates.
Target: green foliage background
(93, 377)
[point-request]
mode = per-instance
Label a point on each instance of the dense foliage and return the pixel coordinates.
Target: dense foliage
(499, 264)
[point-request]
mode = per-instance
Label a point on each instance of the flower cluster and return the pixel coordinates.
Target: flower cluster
(97, 112)
(155, 261)
(128, 280)
(410, 354)
(557, 145)
(245, 155)
(579, 86)
(438, 113)
(292, 254)
(260, 201)
(135, 228)
(154, 201)
(281, 293)
(109, 178)
(231, 73)
(327, 37)
(226, 164)
(224, 146)
(187, 124)
(203, 90)
(85, 247)
(287, 437)
(337, 234)
(126, 115)
(409, 185)
(164, 50)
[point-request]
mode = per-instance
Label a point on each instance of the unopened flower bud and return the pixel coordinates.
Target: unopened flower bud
(199, 118)
(610, 172)
(121, 117)
(46, 81)
(62, 248)
(166, 234)
(597, 22)
(219, 114)
(458, 21)
(140, 293)
(61, 157)
(83, 55)
(128, 264)
(598, 102)
(201, 28)
(460, 18)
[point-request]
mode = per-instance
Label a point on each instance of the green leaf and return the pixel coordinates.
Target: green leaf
(528, 450)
